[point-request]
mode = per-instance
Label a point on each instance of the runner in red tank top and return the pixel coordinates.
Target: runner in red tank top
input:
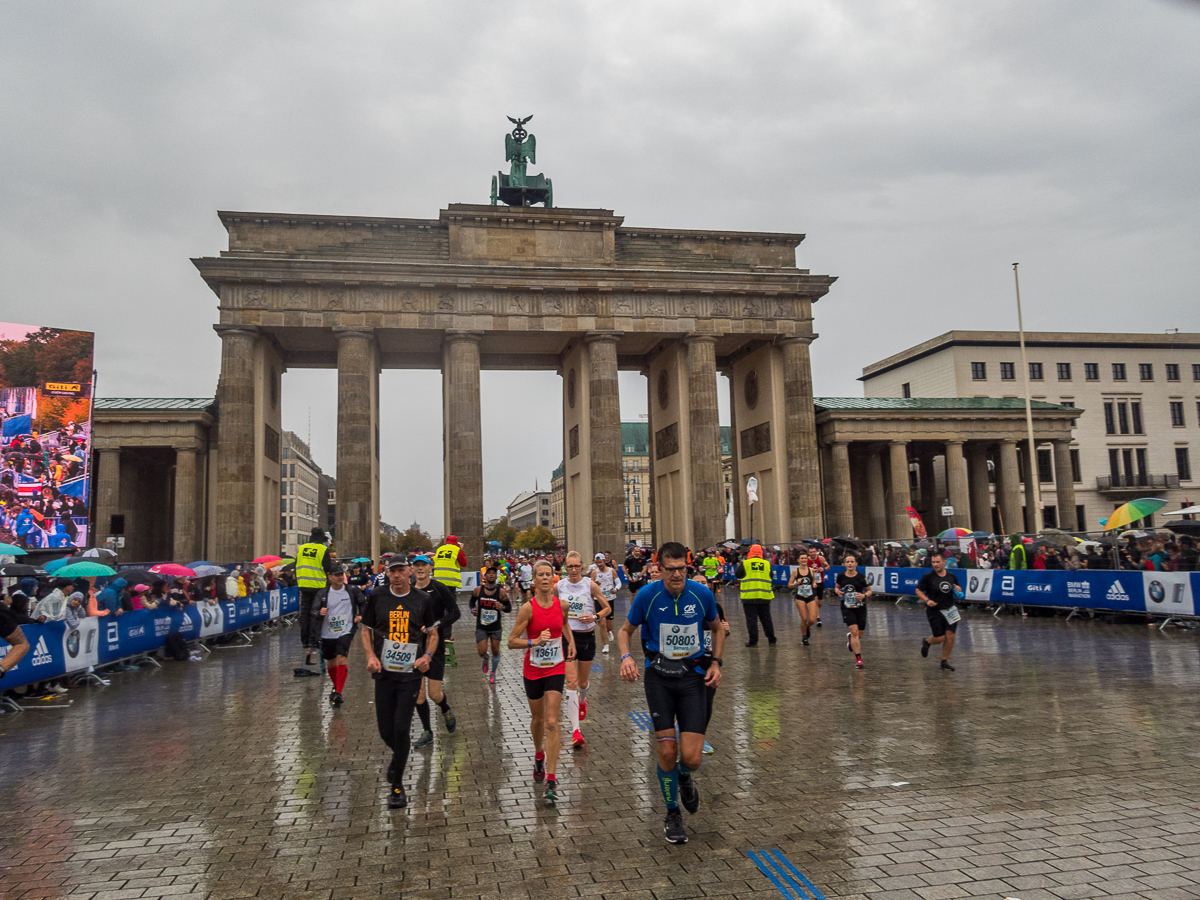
(541, 631)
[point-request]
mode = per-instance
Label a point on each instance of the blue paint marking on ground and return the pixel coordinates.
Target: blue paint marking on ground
(642, 720)
(791, 882)
(596, 668)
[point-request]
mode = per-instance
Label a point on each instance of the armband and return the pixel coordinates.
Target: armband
(430, 655)
(626, 656)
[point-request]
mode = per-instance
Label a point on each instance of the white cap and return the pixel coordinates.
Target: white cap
(598, 556)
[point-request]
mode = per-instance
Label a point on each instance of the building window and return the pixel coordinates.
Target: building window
(1080, 518)
(1135, 408)
(1064, 371)
(1070, 404)
(1177, 413)
(1091, 371)
(1044, 468)
(1195, 371)
(1146, 371)
(1076, 469)
(1183, 465)
(1035, 371)
(1172, 371)
(1110, 423)
(1008, 371)
(1123, 418)
(906, 390)
(979, 371)
(1118, 371)
(637, 510)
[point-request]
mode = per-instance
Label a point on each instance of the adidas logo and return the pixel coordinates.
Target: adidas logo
(1116, 592)
(41, 653)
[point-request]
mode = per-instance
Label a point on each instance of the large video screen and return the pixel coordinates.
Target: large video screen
(46, 449)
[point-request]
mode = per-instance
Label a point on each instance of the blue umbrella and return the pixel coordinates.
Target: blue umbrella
(55, 564)
(198, 563)
(12, 550)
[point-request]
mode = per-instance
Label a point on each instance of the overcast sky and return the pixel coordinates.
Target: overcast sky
(923, 147)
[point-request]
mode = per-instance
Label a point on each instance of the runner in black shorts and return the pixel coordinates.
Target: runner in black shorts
(938, 589)
(446, 609)
(486, 603)
(338, 610)
(670, 614)
(853, 590)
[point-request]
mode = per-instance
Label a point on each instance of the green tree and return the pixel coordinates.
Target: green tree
(412, 540)
(386, 544)
(536, 538)
(503, 533)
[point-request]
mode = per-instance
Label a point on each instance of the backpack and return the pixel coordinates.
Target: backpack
(176, 647)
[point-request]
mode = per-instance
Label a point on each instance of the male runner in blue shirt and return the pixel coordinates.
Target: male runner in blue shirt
(670, 613)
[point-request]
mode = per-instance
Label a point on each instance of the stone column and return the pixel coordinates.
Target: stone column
(185, 544)
(463, 448)
(236, 499)
(930, 503)
(108, 493)
(977, 487)
(1064, 486)
(1009, 488)
(876, 501)
(956, 484)
(803, 458)
(608, 499)
(1031, 472)
(708, 494)
(897, 515)
(842, 496)
(735, 476)
(650, 540)
(357, 372)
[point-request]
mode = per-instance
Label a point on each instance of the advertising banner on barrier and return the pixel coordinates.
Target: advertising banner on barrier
(54, 650)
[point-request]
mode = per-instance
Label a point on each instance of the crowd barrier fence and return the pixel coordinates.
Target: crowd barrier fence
(55, 650)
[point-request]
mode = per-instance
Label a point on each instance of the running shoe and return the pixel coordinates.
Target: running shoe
(485, 665)
(924, 648)
(551, 794)
(332, 694)
(539, 769)
(337, 699)
(818, 621)
(858, 663)
(424, 740)
(492, 678)
(708, 748)
(673, 827)
(582, 710)
(947, 666)
(605, 649)
(397, 798)
(451, 722)
(577, 740)
(804, 640)
(849, 643)
(688, 795)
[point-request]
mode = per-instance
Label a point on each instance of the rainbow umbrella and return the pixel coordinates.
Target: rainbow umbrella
(1133, 511)
(951, 534)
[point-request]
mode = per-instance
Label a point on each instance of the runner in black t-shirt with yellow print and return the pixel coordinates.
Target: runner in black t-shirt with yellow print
(938, 589)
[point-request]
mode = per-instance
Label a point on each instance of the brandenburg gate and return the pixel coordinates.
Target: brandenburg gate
(499, 287)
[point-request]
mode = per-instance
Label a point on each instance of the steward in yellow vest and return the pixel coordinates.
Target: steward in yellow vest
(313, 564)
(448, 563)
(757, 593)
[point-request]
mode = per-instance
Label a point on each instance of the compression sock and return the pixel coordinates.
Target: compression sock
(495, 662)
(685, 774)
(423, 712)
(444, 704)
(669, 782)
(573, 709)
(339, 681)
(332, 670)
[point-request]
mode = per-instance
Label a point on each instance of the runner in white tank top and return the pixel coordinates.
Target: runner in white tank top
(585, 603)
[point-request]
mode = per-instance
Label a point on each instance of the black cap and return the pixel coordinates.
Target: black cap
(317, 534)
(400, 559)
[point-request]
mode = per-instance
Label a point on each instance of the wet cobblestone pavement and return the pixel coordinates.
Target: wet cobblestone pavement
(1058, 761)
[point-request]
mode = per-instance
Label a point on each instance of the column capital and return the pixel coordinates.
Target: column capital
(352, 330)
(592, 337)
(898, 443)
(236, 330)
(455, 335)
(697, 338)
(959, 443)
(792, 340)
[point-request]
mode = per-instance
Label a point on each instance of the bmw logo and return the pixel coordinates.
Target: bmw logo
(1157, 592)
(674, 629)
(974, 583)
(73, 644)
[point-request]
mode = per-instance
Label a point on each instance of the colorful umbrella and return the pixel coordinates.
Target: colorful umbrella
(85, 570)
(1133, 511)
(267, 560)
(362, 559)
(12, 550)
(172, 569)
(954, 533)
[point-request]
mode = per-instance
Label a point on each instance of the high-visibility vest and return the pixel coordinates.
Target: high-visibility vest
(446, 568)
(310, 566)
(757, 583)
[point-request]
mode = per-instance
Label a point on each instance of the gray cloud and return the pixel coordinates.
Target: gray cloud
(922, 146)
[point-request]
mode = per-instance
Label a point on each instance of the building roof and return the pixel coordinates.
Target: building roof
(927, 404)
(165, 404)
(1085, 339)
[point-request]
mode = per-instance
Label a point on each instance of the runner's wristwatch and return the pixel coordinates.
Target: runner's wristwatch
(720, 662)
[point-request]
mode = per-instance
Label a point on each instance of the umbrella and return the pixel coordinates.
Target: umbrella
(954, 533)
(1133, 533)
(205, 571)
(89, 569)
(71, 457)
(1192, 528)
(55, 564)
(363, 559)
(98, 553)
(1133, 511)
(1056, 537)
(16, 570)
(133, 576)
(981, 534)
(893, 544)
(172, 569)
(1189, 511)
(12, 550)
(201, 562)
(267, 560)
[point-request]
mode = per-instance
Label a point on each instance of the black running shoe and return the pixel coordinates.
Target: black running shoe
(539, 769)
(751, 643)
(397, 798)
(332, 694)
(947, 666)
(551, 794)
(689, 795)
(924, 648)
(804, 640)
(451, 722)
(673, 827)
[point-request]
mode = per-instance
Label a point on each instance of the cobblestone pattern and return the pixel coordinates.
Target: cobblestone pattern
(1058, 762)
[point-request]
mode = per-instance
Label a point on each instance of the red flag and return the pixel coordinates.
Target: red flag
(917, 524)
